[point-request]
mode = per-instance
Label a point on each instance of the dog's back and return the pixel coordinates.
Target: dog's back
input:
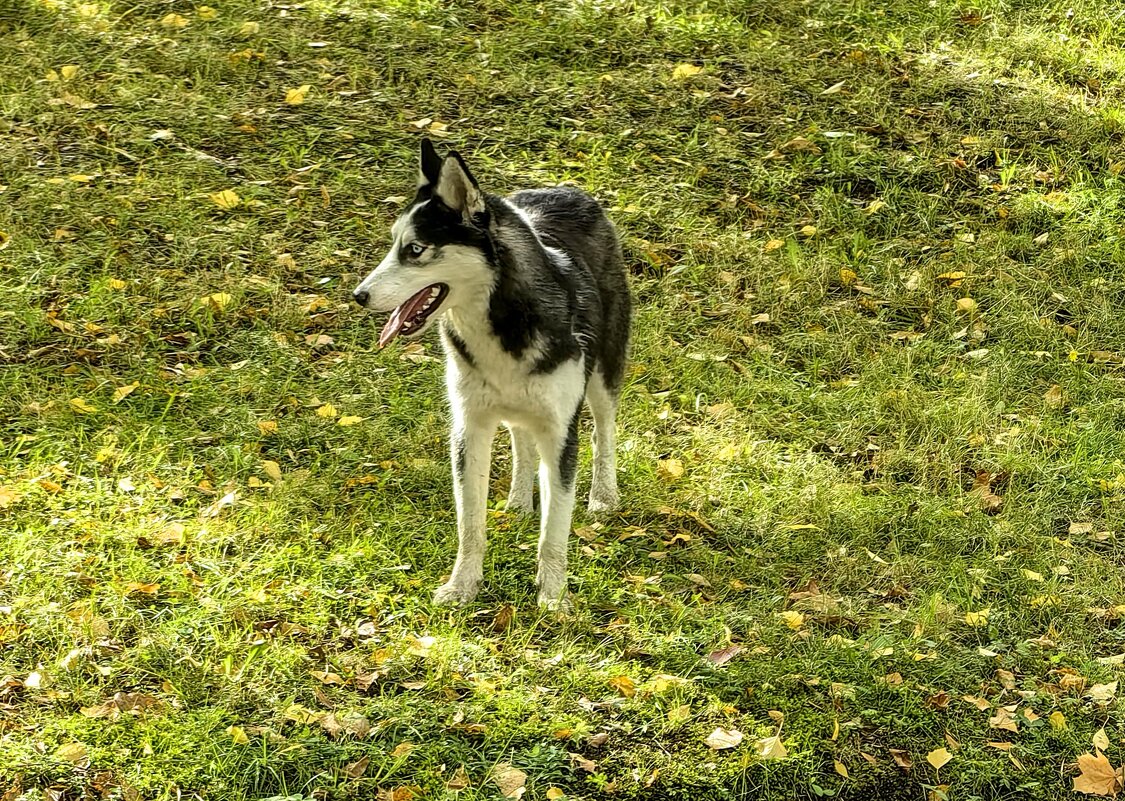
(572, 223)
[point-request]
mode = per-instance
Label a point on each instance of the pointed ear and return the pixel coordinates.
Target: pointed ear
(429, 164)
(457, 188)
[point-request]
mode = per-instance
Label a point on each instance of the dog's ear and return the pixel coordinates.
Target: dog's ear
(457, 188)
(429, 164)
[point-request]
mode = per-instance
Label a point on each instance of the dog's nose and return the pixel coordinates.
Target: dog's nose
(361, 297)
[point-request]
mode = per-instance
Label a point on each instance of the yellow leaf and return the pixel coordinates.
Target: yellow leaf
(684, 71)
(977, 619)
(8, 496)
(966, 305)
(117, 283)
(227, 199)
(267, 427)
(88, 10)
(771, 748)
(840, 767)
(402, 749)
(1031, 575)
(808, 230)
(874, 206)
(272, 469)
(623, 685)
(1100, 739)
(50, 486)
(296, 97)
(80, 405)
(847, 277)
(71, 752)
(939, 757)
(792, 618)
(206, 12)
(1057, 720)
(80, 178)
(68, 72)
(121, 393)
(669, 469)
(773, 244)
(219, 301)
(173, 21)
(1097, 776)
(237, 735)
(554, 794)
(249, 28)
(349, 420)
(327, 411)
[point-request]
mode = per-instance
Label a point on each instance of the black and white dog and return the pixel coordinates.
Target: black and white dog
(533, 307)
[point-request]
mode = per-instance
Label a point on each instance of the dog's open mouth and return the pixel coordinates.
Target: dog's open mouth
(411, 315)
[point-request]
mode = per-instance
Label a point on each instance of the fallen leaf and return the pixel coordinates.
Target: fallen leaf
(834, 88)
(939, 757)
(808, 230)
(249, 28)
(267, 426)
(327, 411)
(847, 277)
(977, 619)
(792, 618)
(721, 739)
(511, 781)
(227, 199)
(121, 393)
(1054, 396)
(1100, 739)
(296, 97)
(902, 759)
(402, 749)
(554, 793)
(354, 770)
(669, 469)
(1102, 693)
(840, 768)
(80, 405)
(206, 13)
(68, 72)
(237, 735)
(1004, 719)
(623, 685)
(460, 780)
(349, 420)
(724, 655)
(504, 617)
(773, 244)
(271, 469)
(1057, 720)
(173, 21)
(770, 748)
(1096, 777)
(684, 71)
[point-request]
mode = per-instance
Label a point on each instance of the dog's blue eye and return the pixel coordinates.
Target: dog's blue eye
(417, 250)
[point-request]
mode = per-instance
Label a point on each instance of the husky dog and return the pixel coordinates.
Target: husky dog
(530, 297)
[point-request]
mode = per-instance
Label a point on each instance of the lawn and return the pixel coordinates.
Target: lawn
(872, 436)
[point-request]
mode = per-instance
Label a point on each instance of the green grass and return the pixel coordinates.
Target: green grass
(830, 402)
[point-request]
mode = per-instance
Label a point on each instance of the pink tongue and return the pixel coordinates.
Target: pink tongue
(402, 314)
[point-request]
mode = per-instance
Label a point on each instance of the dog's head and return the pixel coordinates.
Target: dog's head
(440, 251)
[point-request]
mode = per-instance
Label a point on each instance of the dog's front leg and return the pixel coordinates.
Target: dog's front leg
(471, 452)
(558, 450)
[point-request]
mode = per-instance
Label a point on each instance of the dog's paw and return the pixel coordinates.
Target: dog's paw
(452, 594)
(602, 502)
(561, 604)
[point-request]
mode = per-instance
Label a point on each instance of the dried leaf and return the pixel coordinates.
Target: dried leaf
(939, 757)
(792, 618)
(237, 735)
(721, 739)
(173, 21)
(684, 71)
(623, 685)
(271, 469)
(511, 781)
(327, 411)
(354, 770)
(773, 244)
(1100, 740)
(227, 199)
(296, 97)
(1096, 777)
(1102, 693)
(724, 655)
(770, 748)
(670, 469)
(121, 393)
(840, 767)
(1057, 720)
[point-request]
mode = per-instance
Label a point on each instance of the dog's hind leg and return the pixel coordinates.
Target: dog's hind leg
(558, 449)
(471, 451)
(524, 458)
(603, 405)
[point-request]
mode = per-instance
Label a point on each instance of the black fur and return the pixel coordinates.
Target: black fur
(568, 458)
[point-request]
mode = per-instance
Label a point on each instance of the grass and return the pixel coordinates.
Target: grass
(877, 251)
